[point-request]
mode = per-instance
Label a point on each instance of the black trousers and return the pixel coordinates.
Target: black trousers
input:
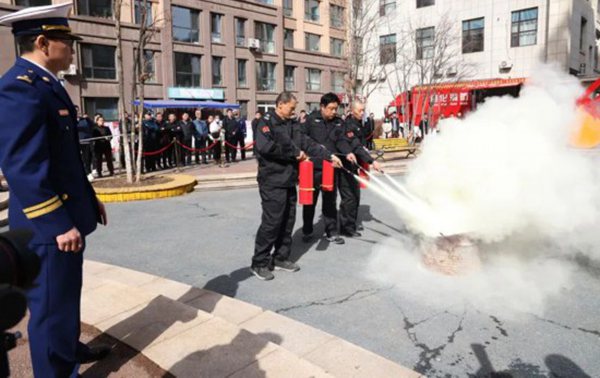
(104, 153)
(241, 143)
(217, 152)
(150, 145)
(277, 223)
(349, 189)
(328, 207)
(201, 144)
(231, 152)
(186, 156)
(167, 156)
(87, 155)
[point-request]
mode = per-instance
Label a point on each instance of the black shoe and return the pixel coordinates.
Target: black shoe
(335, 239)
(360, 228)
(262, 273)
(352, 234)
(286, 265)
(307, 237)
(93, 354)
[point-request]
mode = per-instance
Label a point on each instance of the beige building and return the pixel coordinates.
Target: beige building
(222, 50)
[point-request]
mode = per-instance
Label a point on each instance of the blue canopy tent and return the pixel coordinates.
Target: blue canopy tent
(151, 104)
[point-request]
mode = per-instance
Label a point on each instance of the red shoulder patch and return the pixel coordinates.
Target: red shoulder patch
(350, 134)
(265, 129)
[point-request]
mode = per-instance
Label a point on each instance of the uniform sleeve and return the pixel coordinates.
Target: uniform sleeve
(352, 141)
(314, 149)
(25, 158)
(267, 146)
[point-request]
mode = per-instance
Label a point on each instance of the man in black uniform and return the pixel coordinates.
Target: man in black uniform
(230, 125)
(327, 129)
(348, 185)
(281, 145)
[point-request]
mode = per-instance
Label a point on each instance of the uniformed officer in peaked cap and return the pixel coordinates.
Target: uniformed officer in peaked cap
(50, 194)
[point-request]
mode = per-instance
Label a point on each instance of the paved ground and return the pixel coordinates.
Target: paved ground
(206, 240)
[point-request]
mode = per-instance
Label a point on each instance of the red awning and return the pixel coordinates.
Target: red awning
(473, 84)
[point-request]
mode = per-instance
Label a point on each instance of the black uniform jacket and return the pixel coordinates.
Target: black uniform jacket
(330, 134)
(278, 143)
(353, 137)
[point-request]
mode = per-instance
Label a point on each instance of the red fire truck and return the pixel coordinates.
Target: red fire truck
(449, 99)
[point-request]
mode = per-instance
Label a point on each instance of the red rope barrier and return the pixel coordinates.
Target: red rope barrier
(246, 147)
(197, 149)
(157, 152)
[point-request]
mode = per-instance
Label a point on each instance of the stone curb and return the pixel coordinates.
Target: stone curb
(180, 185)
(184, 329)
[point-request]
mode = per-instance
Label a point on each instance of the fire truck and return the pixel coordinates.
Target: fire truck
(449, 99)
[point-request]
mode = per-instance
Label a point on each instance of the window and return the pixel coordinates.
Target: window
(138, 12)
(288, 8)
(98, 62)
(107, 106)
(312, 42)
(32, 3)
(265, 107)
(242, 82)
(524, 27)
(217, 70)
(243, 109)
(95, 8)
(582, 28)
(288, 38)
(313, 79)
(270, 2)
(425, 3)
(265, 33)
(311, 10)
(337, 47)
(187, 70)
(149, 68)
(290, 78)
(472, 35)
(337, 82)
(265, 76)
(215, 27)
(312, 107)
(386, 7)
(387, 49)
(186, 26)
(336, 18)
(240, 32)
(425, 42)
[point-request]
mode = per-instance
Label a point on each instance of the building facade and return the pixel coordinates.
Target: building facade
(490, 39)
(242, 52)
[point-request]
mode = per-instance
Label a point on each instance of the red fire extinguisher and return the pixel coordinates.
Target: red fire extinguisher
(305, 183)
(362, 173)
(327, 180)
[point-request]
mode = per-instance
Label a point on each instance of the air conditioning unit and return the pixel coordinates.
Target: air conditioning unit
(452, 71)
(253, 43)
(505, 65)
(72, 71)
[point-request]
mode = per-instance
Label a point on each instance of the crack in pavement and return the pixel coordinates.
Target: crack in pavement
(584, 330)
(354, 296)
(427, 354)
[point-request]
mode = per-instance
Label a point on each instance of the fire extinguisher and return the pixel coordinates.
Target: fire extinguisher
(305, 182)
(362, 173)
(327, 180)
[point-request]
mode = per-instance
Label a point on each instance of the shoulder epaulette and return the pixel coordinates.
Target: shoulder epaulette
(25, 78)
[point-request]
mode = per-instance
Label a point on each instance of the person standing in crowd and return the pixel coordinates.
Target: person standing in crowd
(176, 132)
(53, 199)
(257, 117)
(164, 139)
(215, 137)
(424, 125)
(201, 137)
(240, 141)
(369, 131)
(281, 146)
(85, 129)
(188, 128)
(102, 147)
(325, 128)
(150, 131)
(231, 129)
(395, 125)
(302, 116)
(350, 187)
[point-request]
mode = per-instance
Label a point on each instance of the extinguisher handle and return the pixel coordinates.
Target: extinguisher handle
(591, 89)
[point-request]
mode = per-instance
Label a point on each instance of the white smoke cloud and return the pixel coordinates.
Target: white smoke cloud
(506, 176)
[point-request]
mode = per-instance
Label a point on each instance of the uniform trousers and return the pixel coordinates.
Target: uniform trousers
(328, 207)
(54, 304)
(277, 223)
(349, 189)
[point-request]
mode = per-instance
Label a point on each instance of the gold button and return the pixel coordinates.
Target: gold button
(65, 197)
